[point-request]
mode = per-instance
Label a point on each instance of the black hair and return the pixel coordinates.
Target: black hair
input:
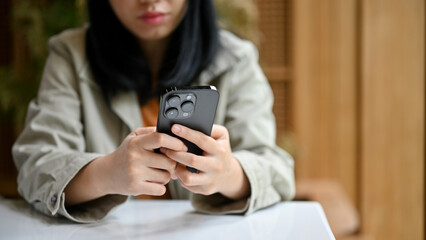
(118, 63)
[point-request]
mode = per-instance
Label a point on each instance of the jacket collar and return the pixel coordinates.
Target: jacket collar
(126, 106)
(223, 61)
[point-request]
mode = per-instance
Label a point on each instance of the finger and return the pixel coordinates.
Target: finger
(173, 174)
(219, 132)
(204, 190)
(160, 161)
(150, 188)
(156, 140)
(142, 131)
(156, 176)
(203, 141)
(188, 159)
(190, 179)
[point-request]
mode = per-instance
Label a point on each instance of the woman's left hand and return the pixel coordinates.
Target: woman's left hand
(218, 170)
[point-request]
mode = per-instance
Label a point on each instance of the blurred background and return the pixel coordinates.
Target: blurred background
(349, 84)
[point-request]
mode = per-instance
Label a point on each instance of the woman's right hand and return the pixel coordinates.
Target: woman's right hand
(132, 169)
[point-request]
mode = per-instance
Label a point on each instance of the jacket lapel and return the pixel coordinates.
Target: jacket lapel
(223, 61)
(126, 106)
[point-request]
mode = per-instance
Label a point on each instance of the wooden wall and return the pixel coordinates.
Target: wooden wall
(393, 118)
(325, 91)
(274, 21)
(359, 106)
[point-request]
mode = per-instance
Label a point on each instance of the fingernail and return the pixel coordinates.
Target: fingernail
(176, 128)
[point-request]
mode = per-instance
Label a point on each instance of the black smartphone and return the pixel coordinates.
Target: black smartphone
(193, 107)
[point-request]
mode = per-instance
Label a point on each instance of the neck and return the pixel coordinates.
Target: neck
(154, 51)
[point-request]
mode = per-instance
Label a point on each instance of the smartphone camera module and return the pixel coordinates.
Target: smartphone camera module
(180, 106)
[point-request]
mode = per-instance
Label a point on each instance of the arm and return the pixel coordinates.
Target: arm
(51, 149)
(252, 128)
(56, 173)
(132, 169)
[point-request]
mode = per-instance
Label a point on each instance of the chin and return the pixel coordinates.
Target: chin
(152, 36)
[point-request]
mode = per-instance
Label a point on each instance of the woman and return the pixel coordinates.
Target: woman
(83, 150)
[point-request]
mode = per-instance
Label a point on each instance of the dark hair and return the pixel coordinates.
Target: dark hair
(118, 64)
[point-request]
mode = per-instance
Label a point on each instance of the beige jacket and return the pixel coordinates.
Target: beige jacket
(69, 124)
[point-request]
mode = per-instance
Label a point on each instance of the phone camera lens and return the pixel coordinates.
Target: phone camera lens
(187, 106)
(174, 101)
(172, 113)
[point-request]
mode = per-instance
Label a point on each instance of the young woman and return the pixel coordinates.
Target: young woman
(90, 133)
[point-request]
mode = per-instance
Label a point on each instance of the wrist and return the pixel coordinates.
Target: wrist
(87, 184)
(99, 170)
(240, 185)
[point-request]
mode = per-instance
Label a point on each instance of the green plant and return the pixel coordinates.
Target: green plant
(240, 17)
(33, 22)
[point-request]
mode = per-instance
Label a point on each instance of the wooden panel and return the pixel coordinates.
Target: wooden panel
(280, 80)
(282, 110)
(325, 91)
(274, 51)
(277, 74)
(393, 105)
(274, 25)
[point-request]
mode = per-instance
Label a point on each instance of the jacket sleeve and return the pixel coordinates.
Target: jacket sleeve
(251, 125)
(51, 149)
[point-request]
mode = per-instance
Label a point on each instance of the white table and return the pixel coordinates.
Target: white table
(169, 219)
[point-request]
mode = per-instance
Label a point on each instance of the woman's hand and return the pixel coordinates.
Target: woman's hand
(136, 169)
(132, 169)
(218, 170)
